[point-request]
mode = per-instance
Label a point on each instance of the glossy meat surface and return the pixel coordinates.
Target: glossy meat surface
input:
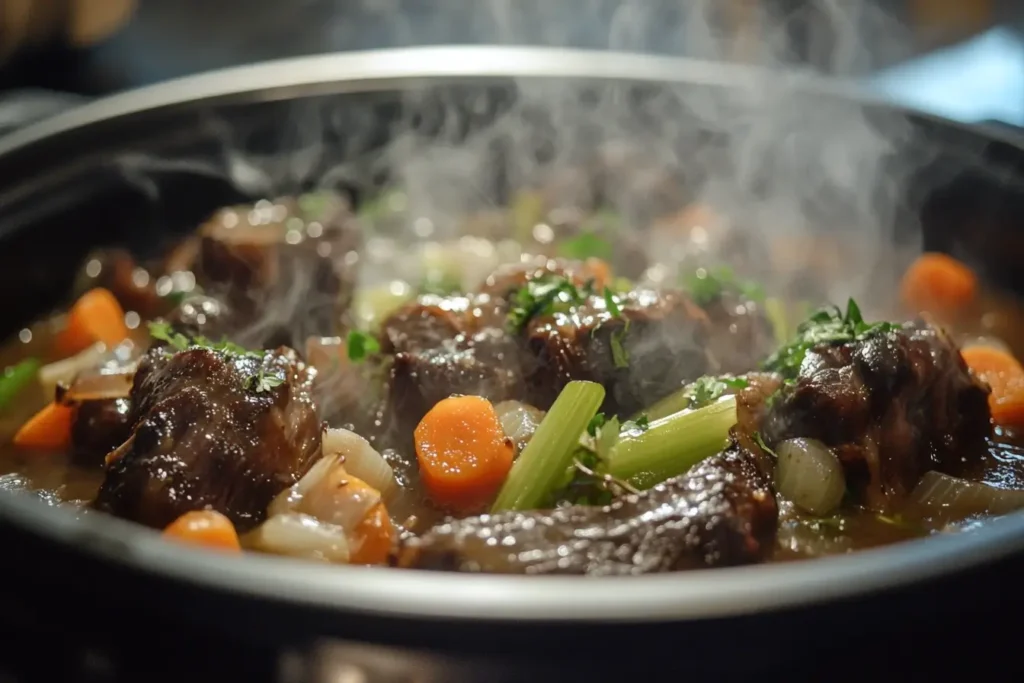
(99, 427)
(721, 513)
(206, 436)
(892, 407)
(465, 345)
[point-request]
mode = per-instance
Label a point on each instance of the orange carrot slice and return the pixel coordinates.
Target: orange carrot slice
(463, 453)
(372, 538)
(49, 429)
(96, 317)
(1005, 375)
(207, 528)
(939, 284)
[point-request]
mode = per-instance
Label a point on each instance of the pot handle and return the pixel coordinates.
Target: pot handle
(22, 107)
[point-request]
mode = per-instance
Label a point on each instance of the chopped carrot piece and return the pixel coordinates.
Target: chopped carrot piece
(463, 453)
(1005, 375)
(939, 284)
(599, 270)
(207, 528)
(372, 538)
(49, 429)
(96, 317)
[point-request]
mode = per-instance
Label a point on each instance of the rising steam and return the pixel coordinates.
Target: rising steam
(779, 165)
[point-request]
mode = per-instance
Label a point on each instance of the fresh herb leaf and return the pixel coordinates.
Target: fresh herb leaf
(606, 438)
(262, 382)
(828, 325)
(360, 345)
(620, 357)
(708, 389)
(545, 296)
(163, 331)
(759, 440)
(611, 303)
(585, 245)
(596, 423)
(640, 424)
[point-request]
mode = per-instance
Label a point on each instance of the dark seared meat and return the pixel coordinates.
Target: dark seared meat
(462, 344)
(205, 437)
(99, 427)
(741, 334)
(721, 513)
(661, 337)
(892, 407)
(288, 267)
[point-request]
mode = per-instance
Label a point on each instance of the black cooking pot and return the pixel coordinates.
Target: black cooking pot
(137, 168)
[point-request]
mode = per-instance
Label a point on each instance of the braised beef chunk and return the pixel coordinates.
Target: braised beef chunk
(212, 430)
(892, 406)
(642, 347)
(287, 267)
(99, 427)
(721, 513)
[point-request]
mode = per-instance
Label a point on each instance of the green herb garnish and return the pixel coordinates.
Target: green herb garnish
(759, 440)
(261, 381)
(827, 326)
(545, 296)
(707, 390)
(707, 285)
(620, 357)
(585, 245)
(641, 424)
(360, 345)
(595, 424)
(163, 331)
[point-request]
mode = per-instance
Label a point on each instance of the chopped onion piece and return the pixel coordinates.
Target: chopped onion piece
(519, 421)
(360, 458)
(298, 535)
(336, 500)
(64, 371)
(289, 499)
(944, 498)
(99, 386)
(810, 475)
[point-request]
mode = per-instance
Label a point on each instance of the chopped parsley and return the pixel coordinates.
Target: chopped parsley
(826, 326)
(640, 424)
(586, 482)
(360, 345)
(545, 296)
(585, 245)
(258, 382)
(707, 285)
(596, 423)
(759, 440)
(707, 390)
(261, 381)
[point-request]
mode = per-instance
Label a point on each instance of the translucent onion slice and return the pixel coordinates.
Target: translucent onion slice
(298, 535)
(810, 475)
(99, 386)
(289, 499)
(339, 499)
(946, 499)
(360, 459)
(519, 421)
(64, 371)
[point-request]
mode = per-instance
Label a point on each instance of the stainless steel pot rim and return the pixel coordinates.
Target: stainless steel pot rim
(682, 596)
(370, 70)
(713, 593)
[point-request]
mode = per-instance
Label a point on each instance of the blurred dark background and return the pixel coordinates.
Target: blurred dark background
(963, 58)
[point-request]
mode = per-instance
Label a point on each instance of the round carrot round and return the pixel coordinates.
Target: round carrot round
(938, 283)
(96, 317)
(463, 453)
(1005, 375)
(207, 528)
(372, 537)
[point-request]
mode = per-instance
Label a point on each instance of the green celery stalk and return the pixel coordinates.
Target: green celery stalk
(542, 464)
